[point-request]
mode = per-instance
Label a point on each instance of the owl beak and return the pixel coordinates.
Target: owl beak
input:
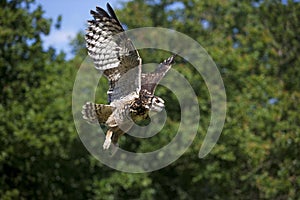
(157, 108)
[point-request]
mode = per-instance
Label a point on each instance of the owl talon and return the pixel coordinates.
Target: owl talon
(107, 141)
(106, 144)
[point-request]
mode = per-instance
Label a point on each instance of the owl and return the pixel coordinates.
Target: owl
(131, 92)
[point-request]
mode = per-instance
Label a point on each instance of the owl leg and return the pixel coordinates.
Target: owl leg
(117, 133)
(115, 137)
(107, 141)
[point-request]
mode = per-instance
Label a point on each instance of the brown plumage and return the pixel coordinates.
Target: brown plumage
(131, 92)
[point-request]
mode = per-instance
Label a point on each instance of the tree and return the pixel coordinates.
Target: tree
(256, 156)
(41, 155)
(254, 45)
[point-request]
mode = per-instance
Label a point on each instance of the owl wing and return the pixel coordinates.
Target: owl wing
(113, 53)
(95, 113)
(151, 80)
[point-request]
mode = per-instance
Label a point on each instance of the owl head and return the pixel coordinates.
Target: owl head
(157, 104)
(151, 102)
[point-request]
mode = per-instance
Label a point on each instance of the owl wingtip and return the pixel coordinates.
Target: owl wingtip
(170, 60)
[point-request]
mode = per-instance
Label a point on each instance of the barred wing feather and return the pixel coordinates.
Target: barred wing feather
(113, 53)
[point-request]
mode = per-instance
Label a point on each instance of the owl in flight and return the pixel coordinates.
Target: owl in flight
(131, 92)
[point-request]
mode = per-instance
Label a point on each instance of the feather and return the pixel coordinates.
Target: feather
(151, 80)
(113, 53)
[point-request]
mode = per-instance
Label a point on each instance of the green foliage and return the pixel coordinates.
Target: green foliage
(40, 151)
(255, 46)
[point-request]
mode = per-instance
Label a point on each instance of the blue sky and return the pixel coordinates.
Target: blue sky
(74, 13)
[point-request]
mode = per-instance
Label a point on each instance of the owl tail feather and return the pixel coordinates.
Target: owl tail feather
(96, 113)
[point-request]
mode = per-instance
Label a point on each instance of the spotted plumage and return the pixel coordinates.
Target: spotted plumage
(131, 92)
